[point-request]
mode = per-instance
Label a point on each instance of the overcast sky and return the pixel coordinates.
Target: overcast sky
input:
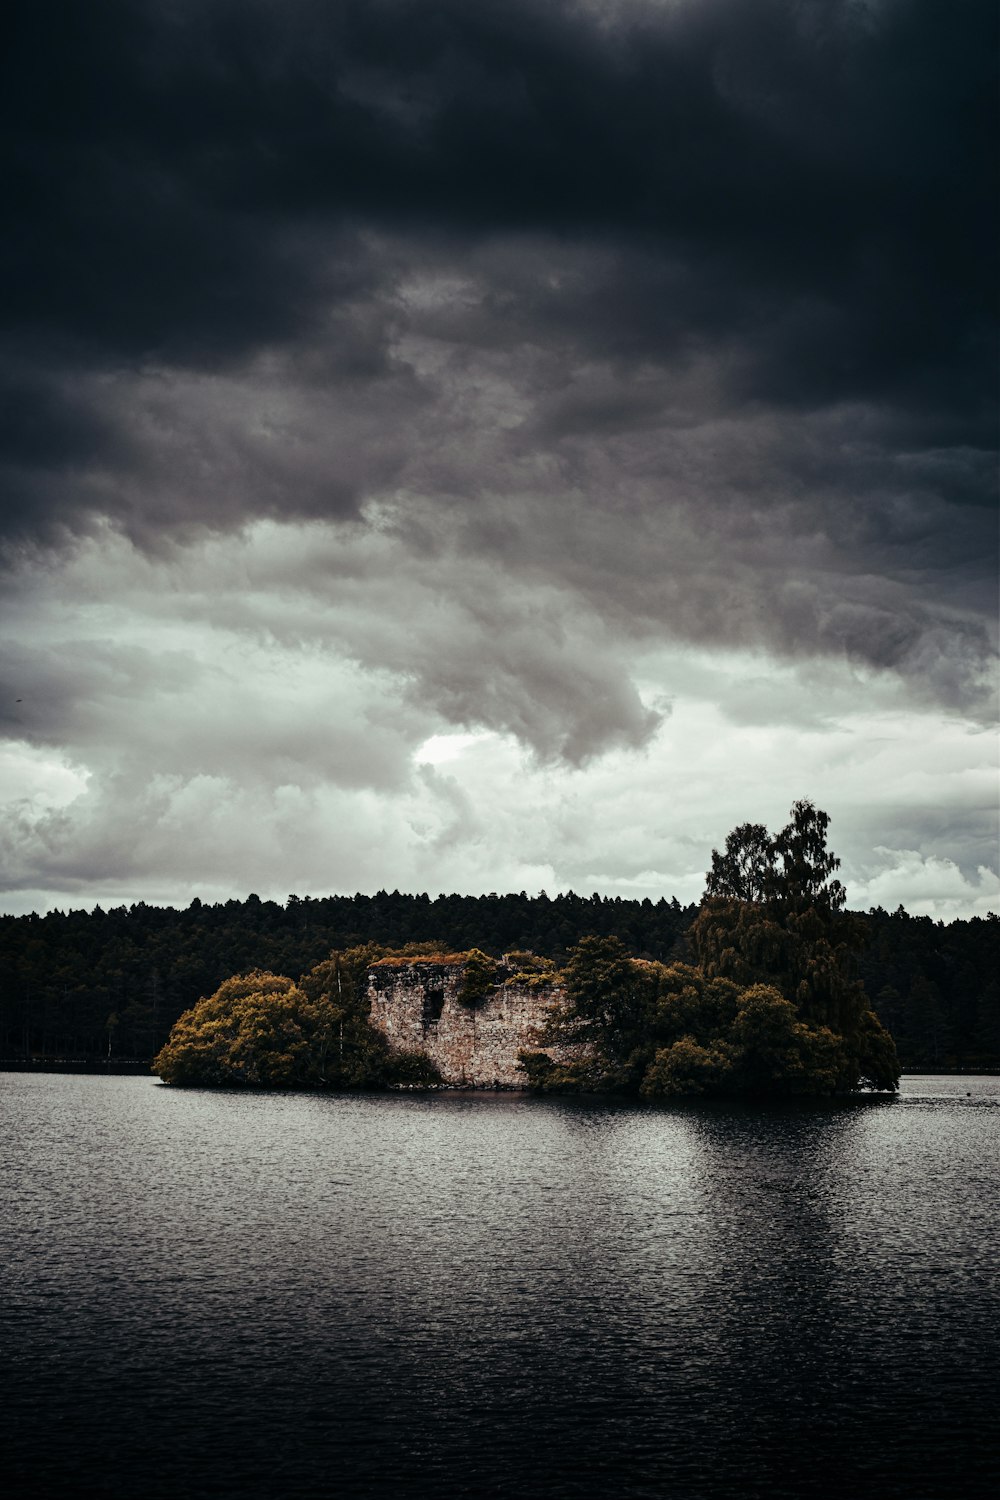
(496, 445)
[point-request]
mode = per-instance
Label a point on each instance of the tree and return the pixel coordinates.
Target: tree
(608, 996)
(794, 937)
(691, 1003)
(790, 870)
(774, 1052)
(262, 1029)
(773, 1003)
(61, 974)
(687, 1068)
(807, 865)
(257, 1028)
(745, 870)
(742, 1042)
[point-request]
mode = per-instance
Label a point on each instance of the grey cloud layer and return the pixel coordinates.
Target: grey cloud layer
(250, 715)
(446, 639)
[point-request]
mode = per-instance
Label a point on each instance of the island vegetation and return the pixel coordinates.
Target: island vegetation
(263, 1030)
(772, 1002)
(110, 984)
(771, 1005)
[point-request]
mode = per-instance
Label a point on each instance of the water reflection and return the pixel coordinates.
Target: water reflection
(282, 1295)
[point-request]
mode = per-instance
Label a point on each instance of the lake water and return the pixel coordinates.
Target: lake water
(223, 1294)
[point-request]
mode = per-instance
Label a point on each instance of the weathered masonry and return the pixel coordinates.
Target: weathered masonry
(415, 1004)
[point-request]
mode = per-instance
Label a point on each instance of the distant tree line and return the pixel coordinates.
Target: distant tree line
(935, 987)
(77, 984)
(83, 984)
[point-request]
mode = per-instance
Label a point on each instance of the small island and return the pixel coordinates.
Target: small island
(767, 1002)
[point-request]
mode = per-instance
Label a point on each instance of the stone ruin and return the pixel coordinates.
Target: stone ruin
(415, 1004)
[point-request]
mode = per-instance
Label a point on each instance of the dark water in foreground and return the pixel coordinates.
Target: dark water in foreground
(265, 1295)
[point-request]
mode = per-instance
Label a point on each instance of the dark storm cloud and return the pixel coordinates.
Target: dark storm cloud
(680, 313)
(171, 164)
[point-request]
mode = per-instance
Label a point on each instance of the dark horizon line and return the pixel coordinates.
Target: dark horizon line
(252, 899)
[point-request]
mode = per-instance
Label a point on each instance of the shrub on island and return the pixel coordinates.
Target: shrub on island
(263, 1030)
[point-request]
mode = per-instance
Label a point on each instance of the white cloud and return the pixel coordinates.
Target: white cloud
(438, 749)
(36, 781)
(928, 886)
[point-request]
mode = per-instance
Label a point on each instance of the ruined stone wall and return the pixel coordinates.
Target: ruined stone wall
(416, 1007)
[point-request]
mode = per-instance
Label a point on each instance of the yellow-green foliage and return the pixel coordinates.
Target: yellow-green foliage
(263, 1030)
(478, 978)
(529, 971)
(426, 954)
(685, 1067)
(774, 1050)
(257, 1028)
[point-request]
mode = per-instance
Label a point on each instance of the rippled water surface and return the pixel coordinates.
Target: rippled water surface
(279, 1295)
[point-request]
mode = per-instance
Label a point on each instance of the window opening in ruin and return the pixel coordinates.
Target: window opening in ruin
(433, 1005)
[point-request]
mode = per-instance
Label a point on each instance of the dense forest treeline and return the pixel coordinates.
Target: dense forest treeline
(82, 984)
